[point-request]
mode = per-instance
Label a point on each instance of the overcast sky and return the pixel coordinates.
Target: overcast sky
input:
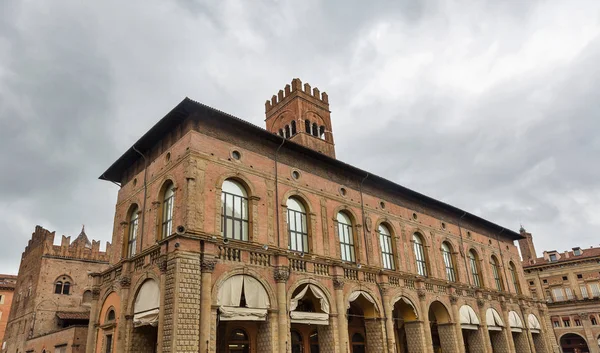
(491, 107)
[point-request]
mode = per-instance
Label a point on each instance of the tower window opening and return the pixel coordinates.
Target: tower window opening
(315, 129)
(322, 132)
(307, 126)
(293, 128)
(287, 131)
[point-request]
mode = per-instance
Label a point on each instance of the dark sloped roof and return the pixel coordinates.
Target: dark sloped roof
(188, 106)
(73, 315)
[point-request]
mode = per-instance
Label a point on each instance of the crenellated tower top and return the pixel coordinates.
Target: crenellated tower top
(301, 113)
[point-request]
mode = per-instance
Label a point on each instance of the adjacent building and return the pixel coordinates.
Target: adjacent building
(233, 238)
(53, 294)
(569, 282)
(7, 289)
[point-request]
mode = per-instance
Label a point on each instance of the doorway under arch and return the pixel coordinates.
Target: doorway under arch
(404, 316)
(364, 325)
(573, 343)
(443, 334)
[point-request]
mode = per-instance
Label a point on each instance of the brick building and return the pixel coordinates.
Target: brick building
(569, 282)
(7, 289)
(234, 238)
(52, 300)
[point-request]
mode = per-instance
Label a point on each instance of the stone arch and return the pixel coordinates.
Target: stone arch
(318, 119)
(163, 183)
(377, 305)
(248, 272)
(136, 288)
(572, 335)
(348, 211)
(440, 311)
(413, 314)
(238, 177)
(111, 300)
(323, 288)
(295, 193)
(388, 223)
(281, 116)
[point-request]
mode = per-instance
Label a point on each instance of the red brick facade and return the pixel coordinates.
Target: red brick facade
(405, 302)
(44, 316)
(7, 289)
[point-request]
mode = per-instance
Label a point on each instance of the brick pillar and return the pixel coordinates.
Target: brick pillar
(589, 335)
(94, 322)
(282, 274)
(539, 343)
(265, 341)
(547, 331)
(338, 286)
(207, 266)
(415, 337)
(475, 341)
(447, 335)
(183, 291)
(459, 336)
(389, 322)
(374, 332)
(162, 266)
(169, 267)
(483, 327)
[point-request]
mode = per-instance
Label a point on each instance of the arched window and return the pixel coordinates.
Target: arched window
(322, 132)
(133, 230)
(314, 342)
(315, 129)
(496, 273)
(385, 241)
(358, 343)
(281, 133)
(110, 316)
(473, 263)
(307, 126)
(62, 286)
(514, 277)
(234, 211)
(293, 123)
(86, 299)
(167, 210)
(448, 262)
(287, 131)
(420, 258)
(346, 237)
(297, 225)
(238, 341)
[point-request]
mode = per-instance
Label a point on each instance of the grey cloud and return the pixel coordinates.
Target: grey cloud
(79, 83)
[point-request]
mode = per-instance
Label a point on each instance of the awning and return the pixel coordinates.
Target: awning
(301, 317)
(242, 314)
(533, 323)
(317, 292)
(493, 320)
(468, 318)
(515, 322)
(357, 294)
(147, 303)
(230, 295)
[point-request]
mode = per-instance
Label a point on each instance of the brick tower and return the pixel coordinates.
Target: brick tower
(302, 115)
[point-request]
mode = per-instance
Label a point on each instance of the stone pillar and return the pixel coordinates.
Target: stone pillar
(282, 274)
(483, 327)
(547, 330)
(94, 322)
(207, 267)
(162, 266)
(475, 341)
(265, 340)
(389, 320)
(425, 317)
(589, 335)
(338, 286)
(506, 330)
(415, 337)
(455, 312)
(327, 336)
(124, 318)
(521, 343)
(499, 341)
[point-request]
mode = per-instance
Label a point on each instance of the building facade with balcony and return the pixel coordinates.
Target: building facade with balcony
(235, 238)
(569, 282)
